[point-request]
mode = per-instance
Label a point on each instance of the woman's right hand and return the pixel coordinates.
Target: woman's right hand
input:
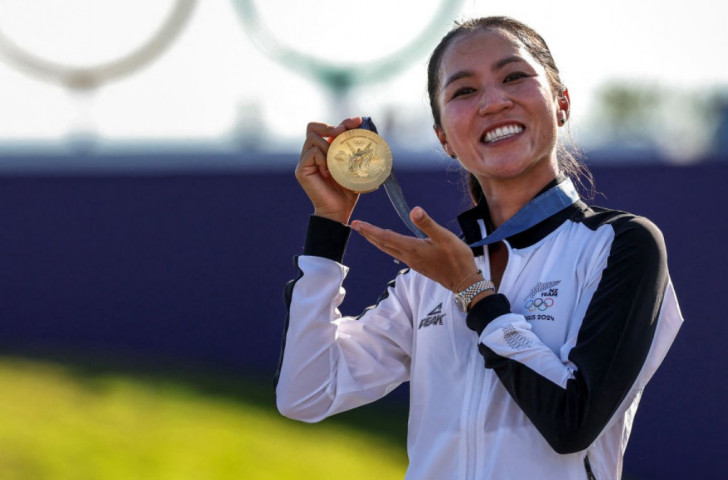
(330, 200)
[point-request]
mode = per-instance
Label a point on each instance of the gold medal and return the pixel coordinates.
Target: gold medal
(359, 160)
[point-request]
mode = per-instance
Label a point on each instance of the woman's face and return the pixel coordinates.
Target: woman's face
(498, 114)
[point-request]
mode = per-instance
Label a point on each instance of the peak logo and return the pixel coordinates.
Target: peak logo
(433, 318)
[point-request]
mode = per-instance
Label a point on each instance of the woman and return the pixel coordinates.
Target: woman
(540, 344)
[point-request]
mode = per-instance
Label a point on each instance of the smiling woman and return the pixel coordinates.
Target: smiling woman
(499, 114)
(519, 66)
(487, 369)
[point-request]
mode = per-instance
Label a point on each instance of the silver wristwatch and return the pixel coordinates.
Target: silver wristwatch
(463, 299)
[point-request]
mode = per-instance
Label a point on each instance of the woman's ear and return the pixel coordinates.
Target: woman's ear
(564, 103)
(442, 137)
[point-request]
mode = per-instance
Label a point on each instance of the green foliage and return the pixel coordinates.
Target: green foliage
(675, 122)
(67, 422)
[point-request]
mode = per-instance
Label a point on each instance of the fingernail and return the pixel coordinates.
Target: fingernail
(417, 213)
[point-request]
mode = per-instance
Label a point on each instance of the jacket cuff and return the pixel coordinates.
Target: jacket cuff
(487, 310)
(326, 238)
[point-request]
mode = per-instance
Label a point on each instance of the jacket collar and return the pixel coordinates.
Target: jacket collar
(471, 220)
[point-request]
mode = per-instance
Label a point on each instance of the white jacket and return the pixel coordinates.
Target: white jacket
(540, 381)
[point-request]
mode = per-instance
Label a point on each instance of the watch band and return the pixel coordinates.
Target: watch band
(463, 299)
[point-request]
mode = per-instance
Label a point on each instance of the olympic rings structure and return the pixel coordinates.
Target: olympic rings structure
(84, 78)
(335, 76)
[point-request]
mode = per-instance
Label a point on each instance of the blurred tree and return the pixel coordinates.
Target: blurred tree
(720, 136)
(627, 110)
(675, 124)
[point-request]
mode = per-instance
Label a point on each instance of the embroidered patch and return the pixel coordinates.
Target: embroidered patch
(515, 340)
(541, 298)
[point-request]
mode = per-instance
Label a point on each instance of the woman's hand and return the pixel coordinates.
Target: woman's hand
(329, 199)
(442, 256)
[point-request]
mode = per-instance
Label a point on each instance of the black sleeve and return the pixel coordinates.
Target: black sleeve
(612, 344)
(326, 238)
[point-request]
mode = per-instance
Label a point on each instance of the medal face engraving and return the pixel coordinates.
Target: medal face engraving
(359, 160)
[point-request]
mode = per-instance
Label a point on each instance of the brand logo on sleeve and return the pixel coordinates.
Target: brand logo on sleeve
(541, 298)
(433, 318)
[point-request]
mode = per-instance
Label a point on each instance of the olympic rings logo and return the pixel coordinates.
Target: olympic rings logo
(540, 304)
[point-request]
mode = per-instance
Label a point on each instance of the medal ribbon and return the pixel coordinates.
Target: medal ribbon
(536, 211)
(394, 191)
(396, 198)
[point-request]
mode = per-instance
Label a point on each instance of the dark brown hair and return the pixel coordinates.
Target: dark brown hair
(536, 46)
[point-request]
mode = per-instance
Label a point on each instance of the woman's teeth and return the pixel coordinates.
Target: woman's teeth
(502, 132)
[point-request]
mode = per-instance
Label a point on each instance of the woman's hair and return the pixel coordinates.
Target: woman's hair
(536, 46)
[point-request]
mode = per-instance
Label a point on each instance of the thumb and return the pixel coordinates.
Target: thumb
(348, 124)
(425, 223)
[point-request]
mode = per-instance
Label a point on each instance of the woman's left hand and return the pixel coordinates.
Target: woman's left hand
(442, 256)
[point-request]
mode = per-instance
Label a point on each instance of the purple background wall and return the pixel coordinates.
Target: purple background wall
(191, 267)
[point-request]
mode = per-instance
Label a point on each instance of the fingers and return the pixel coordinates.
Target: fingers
(388, 241)
(348, 124)
(396, 244)
(320, 134)
(316, 146)
(351, 122)
(313, 161)
(428, 226)
(315, 133)
(443, 256)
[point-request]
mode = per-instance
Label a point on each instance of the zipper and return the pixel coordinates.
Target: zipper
(473, 407)
(589, 474)
(470, 418)
(472, 403)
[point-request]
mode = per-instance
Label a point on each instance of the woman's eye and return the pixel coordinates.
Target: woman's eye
(515, 76)
(462, 91)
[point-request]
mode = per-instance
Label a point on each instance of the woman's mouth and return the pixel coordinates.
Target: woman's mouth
(501, 133)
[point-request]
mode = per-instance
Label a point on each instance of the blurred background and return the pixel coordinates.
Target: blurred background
(149, 216)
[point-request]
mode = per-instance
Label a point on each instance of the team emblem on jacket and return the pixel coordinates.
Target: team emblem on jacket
(433, 318)
(540, 299)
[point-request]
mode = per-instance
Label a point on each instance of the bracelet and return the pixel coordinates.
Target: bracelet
(457, 289)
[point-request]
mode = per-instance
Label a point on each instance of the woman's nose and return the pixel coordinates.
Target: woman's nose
(494, 100)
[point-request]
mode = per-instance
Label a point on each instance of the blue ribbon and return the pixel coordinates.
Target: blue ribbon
(536, 211)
